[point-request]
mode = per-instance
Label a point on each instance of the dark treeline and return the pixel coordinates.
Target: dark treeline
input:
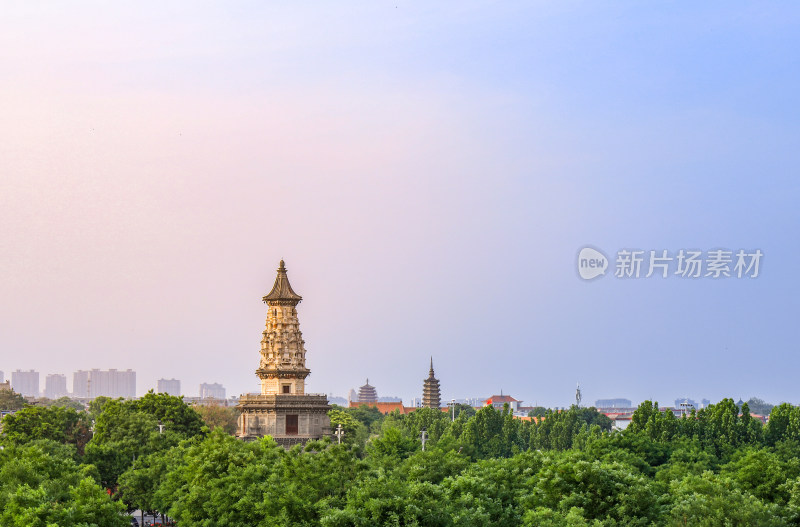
(714, 467)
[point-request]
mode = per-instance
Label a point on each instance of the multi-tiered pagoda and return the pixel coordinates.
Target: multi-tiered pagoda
(283, 410)
(367, 394)
(430, 390)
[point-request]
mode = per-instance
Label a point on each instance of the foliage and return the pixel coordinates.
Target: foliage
(759, 406)
(11, 401)
(56, 423)
(714, 467)
(216, 415)
(41, 485)
(127, 430)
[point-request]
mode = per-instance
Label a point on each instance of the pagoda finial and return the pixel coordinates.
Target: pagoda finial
(282, 291)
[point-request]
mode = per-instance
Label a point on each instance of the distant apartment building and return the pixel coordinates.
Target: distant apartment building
(169, 386)
(55, 386)
(2, 377)
(212, 391)
(613, 403)
(25, 382)
(109, 383)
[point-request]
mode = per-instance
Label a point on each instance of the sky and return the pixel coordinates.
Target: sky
(428, 173)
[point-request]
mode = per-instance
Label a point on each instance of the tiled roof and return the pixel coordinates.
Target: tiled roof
(385, 408)
(495, 399)
(282, 290)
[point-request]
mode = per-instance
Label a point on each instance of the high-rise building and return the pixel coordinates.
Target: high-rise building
(25, 382)
(55, 386)
(212, 391)
(109, 383)
(431, 397)
(2, 377)
(169, 386)
(283, 410)
(367, 394)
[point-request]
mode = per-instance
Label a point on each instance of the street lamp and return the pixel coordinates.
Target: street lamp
(339, 433)
(453, 405)
(424, 437)
(160, 427)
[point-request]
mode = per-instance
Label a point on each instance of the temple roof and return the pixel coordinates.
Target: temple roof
(282, 290)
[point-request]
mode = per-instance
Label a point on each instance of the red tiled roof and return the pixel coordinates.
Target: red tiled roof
(385, 408)
(496, 399)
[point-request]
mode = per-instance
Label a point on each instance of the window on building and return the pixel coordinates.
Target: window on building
(286, 388)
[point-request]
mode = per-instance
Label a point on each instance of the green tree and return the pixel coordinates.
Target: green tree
(68, 402)
(216, 415)
(759, 406)
(41, 485)
(712, 500)
(174, 414)
(11, 401)
(57, 423)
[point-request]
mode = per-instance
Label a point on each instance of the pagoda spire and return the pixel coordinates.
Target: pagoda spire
(282, 291)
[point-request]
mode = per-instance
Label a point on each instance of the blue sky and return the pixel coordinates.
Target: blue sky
(427, 172)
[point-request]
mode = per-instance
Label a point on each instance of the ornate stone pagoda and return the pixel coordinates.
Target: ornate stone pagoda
(430, 390)
(283, 410)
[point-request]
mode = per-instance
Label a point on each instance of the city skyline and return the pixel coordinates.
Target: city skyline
(429, 173)
(173, 387)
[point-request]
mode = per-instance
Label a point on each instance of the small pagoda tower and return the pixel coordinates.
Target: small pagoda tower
(367, 394)
(430, 390)
(283, 410)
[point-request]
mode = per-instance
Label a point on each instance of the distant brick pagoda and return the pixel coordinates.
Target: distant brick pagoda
(283, 410)
(430, 391)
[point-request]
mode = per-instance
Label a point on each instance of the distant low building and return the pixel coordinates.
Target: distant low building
(498, 401)
(613, 403)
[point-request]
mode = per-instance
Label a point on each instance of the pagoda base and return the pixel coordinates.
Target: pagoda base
(290, 419)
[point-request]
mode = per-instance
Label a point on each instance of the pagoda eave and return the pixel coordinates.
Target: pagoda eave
(272, 373)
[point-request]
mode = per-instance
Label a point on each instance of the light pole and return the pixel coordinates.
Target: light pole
(424, 437)
(453, 405)
(339, 433)
(160, 427)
